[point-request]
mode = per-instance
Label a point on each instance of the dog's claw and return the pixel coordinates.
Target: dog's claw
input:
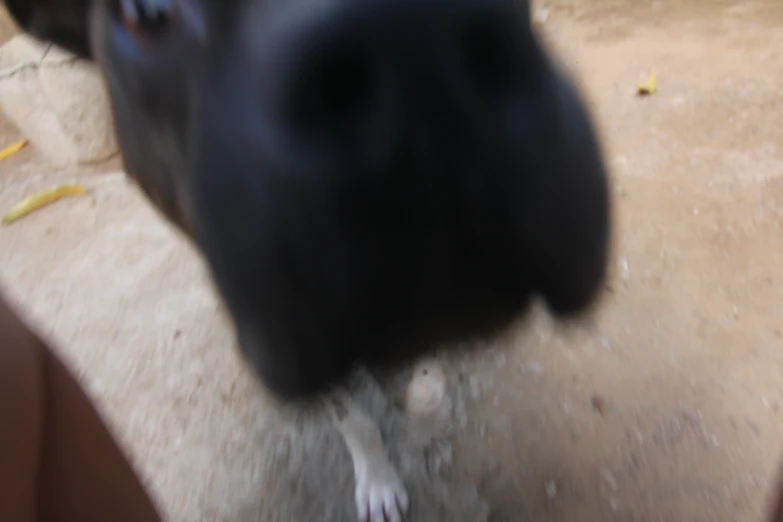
(381, 495)
(363, 509)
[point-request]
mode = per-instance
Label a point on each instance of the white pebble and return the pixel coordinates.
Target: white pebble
(475, 387)
(625, 271)
(541, 15)
(551, 490)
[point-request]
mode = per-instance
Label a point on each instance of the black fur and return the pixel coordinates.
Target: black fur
(366, 179)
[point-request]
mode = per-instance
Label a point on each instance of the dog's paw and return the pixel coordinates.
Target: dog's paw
(380, 494)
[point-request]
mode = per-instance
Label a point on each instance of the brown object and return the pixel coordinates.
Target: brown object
(58, 461)
(777, 514)
(598, 403)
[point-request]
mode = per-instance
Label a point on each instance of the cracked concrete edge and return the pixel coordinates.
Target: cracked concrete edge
(57, 101)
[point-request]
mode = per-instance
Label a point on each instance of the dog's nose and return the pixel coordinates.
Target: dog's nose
(357, 63)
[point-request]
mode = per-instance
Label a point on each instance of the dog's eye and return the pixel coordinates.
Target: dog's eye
(148, 17)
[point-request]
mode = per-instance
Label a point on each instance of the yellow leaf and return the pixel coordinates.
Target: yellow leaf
(649, 86)
(42, 199)
(12, 149)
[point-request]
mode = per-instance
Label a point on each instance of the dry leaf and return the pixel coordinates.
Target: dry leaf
(40, 200)
(12, 149)
(649, 86)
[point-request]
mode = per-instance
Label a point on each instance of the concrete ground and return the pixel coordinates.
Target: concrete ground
(666, 407)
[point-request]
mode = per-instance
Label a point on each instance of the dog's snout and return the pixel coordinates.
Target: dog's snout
(346, 63)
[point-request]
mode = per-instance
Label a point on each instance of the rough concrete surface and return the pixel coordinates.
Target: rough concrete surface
(57, 101)
(306, 474)
(665, 407)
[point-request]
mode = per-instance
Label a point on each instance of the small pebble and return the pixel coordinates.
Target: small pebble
(475, 387)
(541, 15)
(625, 271)
(551, 490)
(598, 403)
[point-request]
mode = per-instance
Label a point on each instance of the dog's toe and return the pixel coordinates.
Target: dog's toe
(381, 495)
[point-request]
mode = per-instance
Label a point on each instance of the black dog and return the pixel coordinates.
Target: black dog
(367, 179)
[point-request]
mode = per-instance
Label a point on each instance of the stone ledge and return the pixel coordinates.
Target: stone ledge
(57, 101)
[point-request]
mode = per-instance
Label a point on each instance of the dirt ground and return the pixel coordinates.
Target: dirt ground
(665, 407)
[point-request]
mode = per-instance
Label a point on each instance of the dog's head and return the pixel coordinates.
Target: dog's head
(366, 179)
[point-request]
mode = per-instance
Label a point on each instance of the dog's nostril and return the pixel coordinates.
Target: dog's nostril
(489, 50)
(333, 86)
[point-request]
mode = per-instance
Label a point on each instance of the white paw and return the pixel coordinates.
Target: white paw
(380, 494)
